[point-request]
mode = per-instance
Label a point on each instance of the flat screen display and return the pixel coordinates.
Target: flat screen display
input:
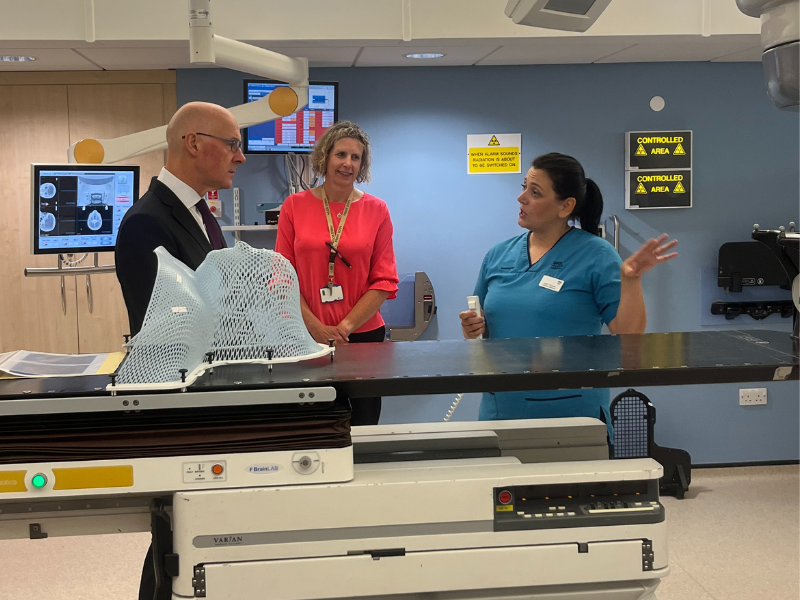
(299, 131)
(78, 208)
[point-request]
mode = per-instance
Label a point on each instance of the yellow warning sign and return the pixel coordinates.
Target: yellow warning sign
(642, 190)
(679, 189)
(679, 150)
(640, 151)
(494, 153)
(494, 160)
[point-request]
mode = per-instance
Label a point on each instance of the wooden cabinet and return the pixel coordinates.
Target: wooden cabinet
(41, 114)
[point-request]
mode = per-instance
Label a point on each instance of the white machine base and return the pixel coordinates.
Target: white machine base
(437, 529)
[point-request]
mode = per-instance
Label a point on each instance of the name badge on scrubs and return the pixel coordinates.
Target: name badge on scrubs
(551, 283)
(332, 293)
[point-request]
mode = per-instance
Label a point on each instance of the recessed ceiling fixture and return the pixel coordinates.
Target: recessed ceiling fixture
(425, 55)
(8, 58)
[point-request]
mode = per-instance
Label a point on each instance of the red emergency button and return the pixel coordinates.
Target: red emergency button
(212, 209)
(504, 497)
(217, 469)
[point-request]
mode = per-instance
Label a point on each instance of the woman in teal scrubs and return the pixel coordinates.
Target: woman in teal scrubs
(557, 280)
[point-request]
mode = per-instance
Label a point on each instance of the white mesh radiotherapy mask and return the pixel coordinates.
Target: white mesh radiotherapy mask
(242, 304)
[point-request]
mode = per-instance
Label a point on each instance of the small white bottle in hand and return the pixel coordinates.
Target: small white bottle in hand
(474, 304)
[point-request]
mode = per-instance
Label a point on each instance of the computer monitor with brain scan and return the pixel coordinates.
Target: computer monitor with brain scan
(78, 208)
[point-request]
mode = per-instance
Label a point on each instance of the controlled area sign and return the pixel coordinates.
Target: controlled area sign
(493, 153)
(658, 150)
(659, 189)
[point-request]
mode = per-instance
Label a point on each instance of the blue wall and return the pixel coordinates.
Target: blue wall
(745, 163)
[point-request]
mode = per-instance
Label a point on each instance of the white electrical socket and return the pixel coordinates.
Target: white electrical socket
(753, 396)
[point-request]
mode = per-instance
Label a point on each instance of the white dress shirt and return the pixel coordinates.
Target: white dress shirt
(185, 194)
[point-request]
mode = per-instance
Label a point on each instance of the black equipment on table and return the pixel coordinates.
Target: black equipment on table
(749, 264)
(633, 417)
(773, 259)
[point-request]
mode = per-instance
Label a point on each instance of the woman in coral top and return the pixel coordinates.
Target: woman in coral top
(339, 240)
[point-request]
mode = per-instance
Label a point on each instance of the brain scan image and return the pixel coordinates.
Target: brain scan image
(94, 222)
(47, 221)
(47, 190)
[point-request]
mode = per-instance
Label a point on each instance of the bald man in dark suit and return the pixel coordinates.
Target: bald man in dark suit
(203, 152)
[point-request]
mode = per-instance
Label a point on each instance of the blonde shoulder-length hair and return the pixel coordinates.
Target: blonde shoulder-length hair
(334, 133)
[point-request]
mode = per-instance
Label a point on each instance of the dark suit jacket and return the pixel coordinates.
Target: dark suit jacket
(159, 218)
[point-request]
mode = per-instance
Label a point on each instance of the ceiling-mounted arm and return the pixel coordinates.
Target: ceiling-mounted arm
(207, 48)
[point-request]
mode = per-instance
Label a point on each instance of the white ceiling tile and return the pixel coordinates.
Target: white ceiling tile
(682, 48)
(320, 56)
(138, 58)
(42, 19)
(47, 59)
(750, 55)
(4, 44)
(394, 56)
(178, 57)
(555, 50)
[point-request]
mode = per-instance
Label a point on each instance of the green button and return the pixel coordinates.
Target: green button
(39, 481)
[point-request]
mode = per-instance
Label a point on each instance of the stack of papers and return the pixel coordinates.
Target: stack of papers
(41, 364)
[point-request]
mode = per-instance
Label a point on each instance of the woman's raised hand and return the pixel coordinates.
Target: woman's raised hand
(652, 253)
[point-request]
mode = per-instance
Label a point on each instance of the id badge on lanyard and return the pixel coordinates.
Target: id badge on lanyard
(333, 292)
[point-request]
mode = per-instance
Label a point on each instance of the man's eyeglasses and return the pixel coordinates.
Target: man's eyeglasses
(233, 142)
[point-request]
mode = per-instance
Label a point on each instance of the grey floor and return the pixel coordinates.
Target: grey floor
(735, 537)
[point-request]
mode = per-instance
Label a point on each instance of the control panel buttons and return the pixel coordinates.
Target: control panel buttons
(504, 497)
(39, 481)
(202, 472)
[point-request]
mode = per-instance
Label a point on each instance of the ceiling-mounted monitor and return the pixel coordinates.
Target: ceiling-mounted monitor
(299, 131)
(78, 208)
(566, 15)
